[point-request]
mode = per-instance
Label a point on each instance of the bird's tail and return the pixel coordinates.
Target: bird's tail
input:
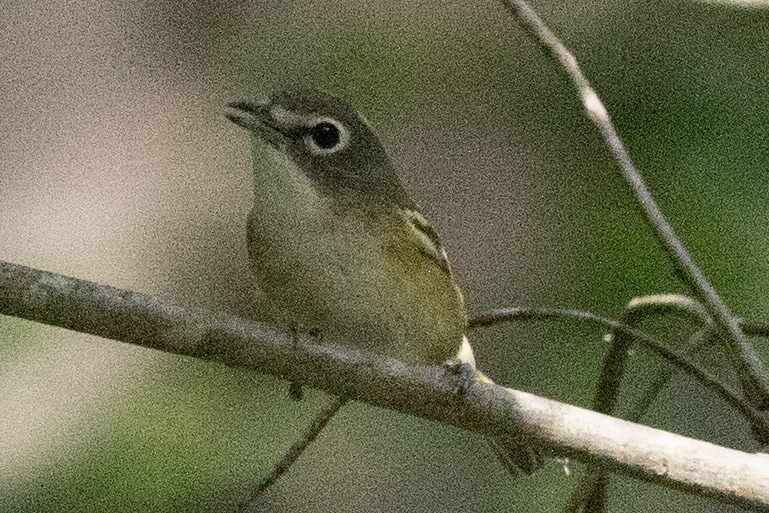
(514, 452)
(517, 455)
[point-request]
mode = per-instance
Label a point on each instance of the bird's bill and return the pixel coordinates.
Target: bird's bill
(257, 119)
(251, 116)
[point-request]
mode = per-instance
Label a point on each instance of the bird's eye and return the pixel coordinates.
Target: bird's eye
(326, 136)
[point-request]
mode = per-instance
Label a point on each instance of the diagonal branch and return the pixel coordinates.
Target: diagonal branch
(753, 375)
(294, 452)
(690, 465)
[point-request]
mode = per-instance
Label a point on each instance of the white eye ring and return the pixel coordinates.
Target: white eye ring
(342, 133)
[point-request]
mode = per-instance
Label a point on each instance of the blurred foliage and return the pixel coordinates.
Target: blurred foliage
(118, 167)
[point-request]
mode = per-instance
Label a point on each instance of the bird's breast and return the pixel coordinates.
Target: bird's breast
(353, 280)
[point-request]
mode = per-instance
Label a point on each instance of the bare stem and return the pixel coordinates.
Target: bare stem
(707, 379)
(753, 376)
(294, 452)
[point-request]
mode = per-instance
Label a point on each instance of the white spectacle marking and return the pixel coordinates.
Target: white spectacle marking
(285, 117)
(344, 136)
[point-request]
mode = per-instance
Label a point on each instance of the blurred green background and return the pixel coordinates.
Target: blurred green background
(117, 166)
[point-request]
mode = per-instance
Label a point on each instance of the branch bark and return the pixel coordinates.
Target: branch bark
(690, 465)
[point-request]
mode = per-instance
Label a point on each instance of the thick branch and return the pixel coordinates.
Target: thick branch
(653, 455)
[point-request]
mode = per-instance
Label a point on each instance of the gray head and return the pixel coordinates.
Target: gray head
(328, 140)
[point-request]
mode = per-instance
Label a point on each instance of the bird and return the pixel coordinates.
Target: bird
(339, 249)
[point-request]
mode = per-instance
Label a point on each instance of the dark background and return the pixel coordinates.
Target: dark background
(117, 166)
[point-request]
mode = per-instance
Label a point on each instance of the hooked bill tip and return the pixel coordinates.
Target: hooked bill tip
(244, 106)
(238, 120)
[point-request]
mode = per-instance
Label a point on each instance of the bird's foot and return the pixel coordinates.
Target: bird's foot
(465, 373)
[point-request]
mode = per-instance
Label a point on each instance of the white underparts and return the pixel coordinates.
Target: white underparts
(465, 354)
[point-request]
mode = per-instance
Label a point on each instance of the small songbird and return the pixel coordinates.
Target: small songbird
(341, 251)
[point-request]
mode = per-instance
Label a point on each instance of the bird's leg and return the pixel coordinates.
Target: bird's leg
(295, 391)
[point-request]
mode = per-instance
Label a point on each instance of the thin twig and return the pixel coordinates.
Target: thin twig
(756, 329)
(707, 379)
(607, 390)
(591, 492)
(294, 452)
(699, 340)
(753, 376)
